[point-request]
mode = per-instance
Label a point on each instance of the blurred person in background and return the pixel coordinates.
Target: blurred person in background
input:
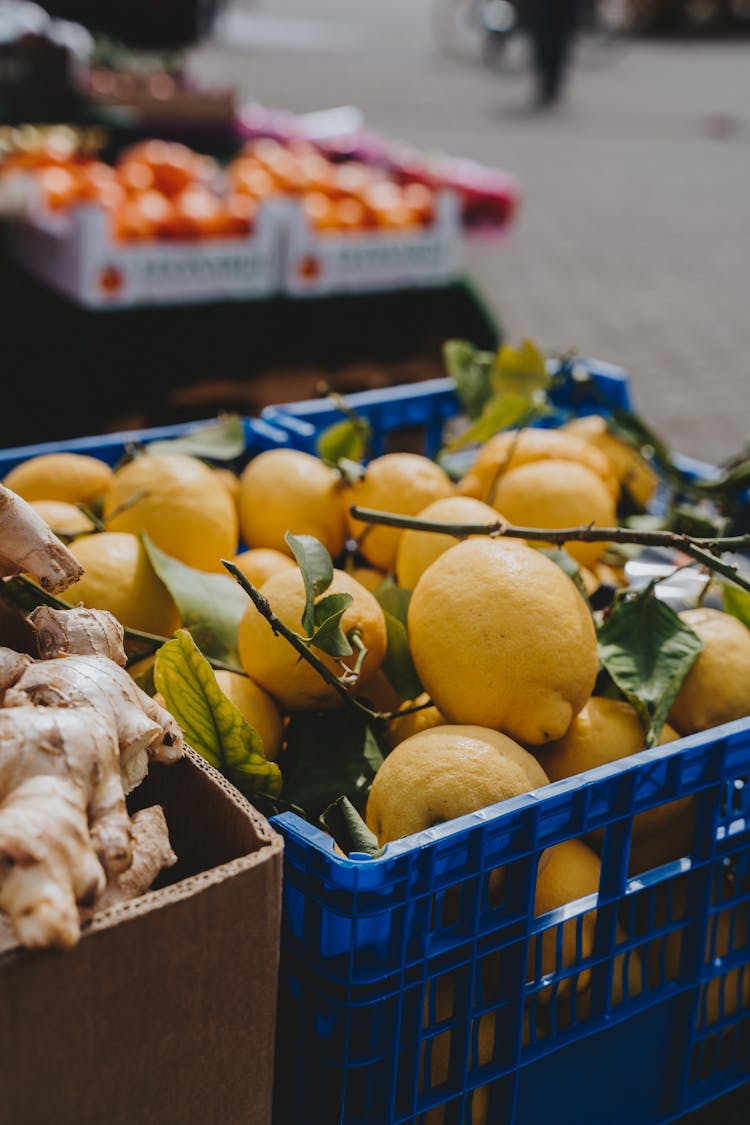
(551, 25)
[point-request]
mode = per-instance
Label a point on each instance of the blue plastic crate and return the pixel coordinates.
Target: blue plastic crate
(259, 435)
(429, 404)
(371, 947)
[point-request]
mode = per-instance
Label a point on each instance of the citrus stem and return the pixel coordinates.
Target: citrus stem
(261, 603)
(701, 549)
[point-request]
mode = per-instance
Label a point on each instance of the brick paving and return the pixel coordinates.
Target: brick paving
(632, 243)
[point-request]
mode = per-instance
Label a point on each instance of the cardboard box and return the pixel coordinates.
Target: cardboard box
(165, 1011)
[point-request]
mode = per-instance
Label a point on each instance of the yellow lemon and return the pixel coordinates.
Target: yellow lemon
(182, 505)
(75, 477)
(417, 549)
(401, 483)
(631, 468)
(446, 772)
(512, 448)
(717, 687)
(257, 706)
(118, 576)
(65, 519)
(288, 490)
(603, 731)
(273, 662)
(558, 494)
(259, 563)
(398, 730)
(503, 638)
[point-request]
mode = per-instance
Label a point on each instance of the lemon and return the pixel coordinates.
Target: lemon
(288, 490)
(417, 549)
(369, 576)
(257, 706)
(181, 504)
(631, 469)
(398, 730)
(259, 563)
(603, 731)
(65, 519)
(119, 577)
(558, 494)
(503, 638)
(75, 477)
(401, 483)
(717, 687)
(512, 448)
(273, 662)
(446, 772)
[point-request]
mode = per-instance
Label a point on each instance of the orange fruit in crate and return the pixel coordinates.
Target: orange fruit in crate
(173, 165)
(320, 211)
(135, 176)
(248, 177)
(351, 177)
(316, 171)
(420, 199)
(350, 214)
(60, 187)
(147, 215)
(198, 213)
(240, 212)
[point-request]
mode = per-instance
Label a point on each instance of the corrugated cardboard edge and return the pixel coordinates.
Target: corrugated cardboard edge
(271, 844)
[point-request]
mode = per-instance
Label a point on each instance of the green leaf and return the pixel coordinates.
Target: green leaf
(210, 605)
(398, 666)
(393, 599)
(647, 650)
(212, 724)
(329, 755)
(736, 601)
(345, 440)
(499, 413)
(471, 371)
(349, 830)
(317, 572)
(222, 441)
(328, 635)
(520, 371)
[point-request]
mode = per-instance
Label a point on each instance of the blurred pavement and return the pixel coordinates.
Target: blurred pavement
(632, 243)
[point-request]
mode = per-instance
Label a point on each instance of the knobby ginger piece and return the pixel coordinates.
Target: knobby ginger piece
(12, 666)
(152, 853)
(28, 546)
(64, 826)
(145, 730)
(79, 631)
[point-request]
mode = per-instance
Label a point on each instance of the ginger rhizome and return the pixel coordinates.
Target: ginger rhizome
(76, 736)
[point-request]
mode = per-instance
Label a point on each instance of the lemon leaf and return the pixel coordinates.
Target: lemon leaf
(393, 599)
(647, 650)
(471, 371)
(520, 371)
(210, 605)
(346, 440)
(221, 441)
(212, 724)
(398, 666)
(500, 413)
(317, 572)
(329, 755)
(736, 601)
(328, 634)
(349, 830)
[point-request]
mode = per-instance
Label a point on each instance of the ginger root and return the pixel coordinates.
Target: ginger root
(145, 730)
(152, 852)
(28, 546)
(79, 631)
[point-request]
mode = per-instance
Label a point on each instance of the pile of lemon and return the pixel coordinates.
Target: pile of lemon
(501, 637)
